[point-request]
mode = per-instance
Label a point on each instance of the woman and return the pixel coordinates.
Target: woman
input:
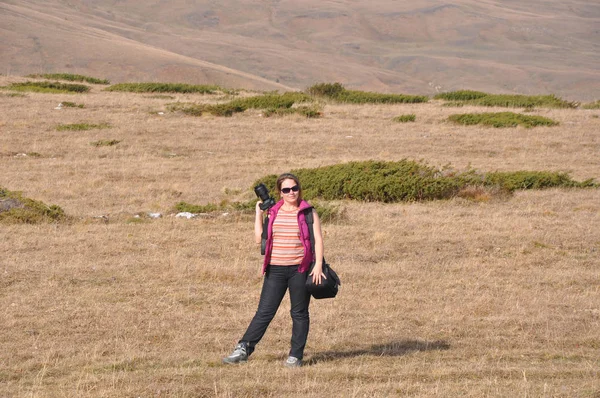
(288, 257)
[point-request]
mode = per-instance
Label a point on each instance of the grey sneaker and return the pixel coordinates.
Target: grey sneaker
(239, 354)
(293, 362)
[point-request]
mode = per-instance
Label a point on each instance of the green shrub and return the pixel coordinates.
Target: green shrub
(12, 95)
(405, 118)
(272, 101)
(71, 77)
(505, 100)
(104, 143)
(404, 180)
(407, 180)
(306, 111)
(517, 180)
(501, 119)
(49, 87)
(400, 181)
(164, 88)
(68, 104)
(461, 95)
(592, 105)
(15, 209)
(227, 109)
(337, 92)
(330, 90)
(81, 126)
(523, 101)
(186, 207)
(329, 212)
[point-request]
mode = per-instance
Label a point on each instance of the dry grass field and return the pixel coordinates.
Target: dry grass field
(456, 298)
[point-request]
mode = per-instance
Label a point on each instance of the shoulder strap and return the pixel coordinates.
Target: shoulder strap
(308, 215)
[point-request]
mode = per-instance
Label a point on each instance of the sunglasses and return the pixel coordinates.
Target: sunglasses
(295, 188)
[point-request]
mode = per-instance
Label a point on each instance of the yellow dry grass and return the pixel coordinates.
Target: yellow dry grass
(494, 297)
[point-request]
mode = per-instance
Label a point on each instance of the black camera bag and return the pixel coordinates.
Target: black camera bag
(328, 288)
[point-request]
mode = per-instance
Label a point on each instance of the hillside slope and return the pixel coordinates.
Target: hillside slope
(382, 45)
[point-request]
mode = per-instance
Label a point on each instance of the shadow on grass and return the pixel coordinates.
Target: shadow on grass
(392, 349)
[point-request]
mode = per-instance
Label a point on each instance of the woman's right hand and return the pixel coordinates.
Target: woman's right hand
(259, 211)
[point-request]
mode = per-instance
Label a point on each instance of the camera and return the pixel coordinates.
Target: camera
(263, 193)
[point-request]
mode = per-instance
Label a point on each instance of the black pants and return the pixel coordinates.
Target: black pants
(277, 280)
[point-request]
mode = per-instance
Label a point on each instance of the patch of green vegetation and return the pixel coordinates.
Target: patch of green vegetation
(461, 95)
(12, 95)
(517, 180)
(165, 88)
(408, 180)
(196, 209)
(329, 212)
(16, 209)
(453, 104)
(401, 181)
(501, 119)
(592, 105)
(49, 87)
(506, 100)
(373, 181)
(226, 110)
(272, 101)
(81, 126)
(306, 111)
(337, 92)
(68, 104)
(405, 118)
(70, 77)
(104, 143)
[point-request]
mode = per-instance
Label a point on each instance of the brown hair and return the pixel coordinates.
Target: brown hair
(289, 176)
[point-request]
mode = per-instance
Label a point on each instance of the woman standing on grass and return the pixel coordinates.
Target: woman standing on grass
(288, 256)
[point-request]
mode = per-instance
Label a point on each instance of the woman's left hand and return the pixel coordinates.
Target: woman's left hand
(317, 274)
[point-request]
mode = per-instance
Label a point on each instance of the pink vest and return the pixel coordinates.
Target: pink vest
(304, 236)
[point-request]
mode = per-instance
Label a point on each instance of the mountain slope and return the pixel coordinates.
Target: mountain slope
(421, 47)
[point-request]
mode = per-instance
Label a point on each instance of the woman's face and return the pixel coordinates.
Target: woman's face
(291, 197)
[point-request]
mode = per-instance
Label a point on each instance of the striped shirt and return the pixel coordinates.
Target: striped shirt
(287, 246)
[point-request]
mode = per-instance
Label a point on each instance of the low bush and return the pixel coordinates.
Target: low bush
(70, 77)
(49, 87)
(104, 143)
(196, 209)
(12, 95)
(461, 95)
(518, 180)
(408, 180)
(592, 105)
(15, 209)
(405, 118)
(337, 92)
(81, 126)
(501, 119)
(330, 90)
(165, 88)
(272, 101)
(372, 181)
(401, 181)
(505, 100)
(306, 111)
(226, 110)
(68, 104)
